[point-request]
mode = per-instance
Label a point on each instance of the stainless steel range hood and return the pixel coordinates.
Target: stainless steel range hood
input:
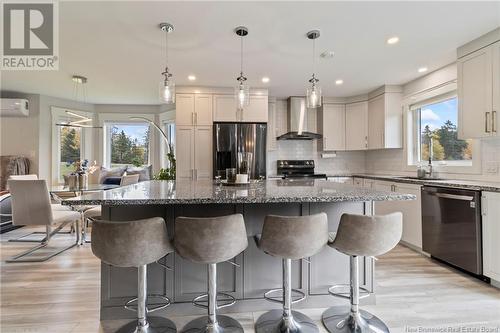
(297, 121)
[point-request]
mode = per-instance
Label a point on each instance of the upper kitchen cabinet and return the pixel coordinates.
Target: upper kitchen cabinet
(193, 109)
(331, 124)
(479, 87)
(385, 122)
(224, 107)
(356, 126)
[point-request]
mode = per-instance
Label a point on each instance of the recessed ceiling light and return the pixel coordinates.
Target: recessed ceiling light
(393, 40)
(191, 77)
(422, 69)
(265, 79)
(327, 54)
(339, 82)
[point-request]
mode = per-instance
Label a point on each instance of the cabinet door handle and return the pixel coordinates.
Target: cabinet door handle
(486, 116)
(196, 118)
(192, 118)
(493, 121)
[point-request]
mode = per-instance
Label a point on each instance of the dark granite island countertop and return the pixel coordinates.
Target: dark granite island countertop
(257, 271)
(207, 192)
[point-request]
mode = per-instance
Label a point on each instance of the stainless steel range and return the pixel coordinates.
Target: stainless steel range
(298, 169)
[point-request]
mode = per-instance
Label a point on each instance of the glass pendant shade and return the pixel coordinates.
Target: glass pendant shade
(313, 97)
(167, 92)
(242, 96)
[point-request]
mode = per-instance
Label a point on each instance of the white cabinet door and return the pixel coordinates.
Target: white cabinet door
(184, 151)
(271, 127)
(224, 108)
(412, 214)
(203, 109)
(475, 94)
(384, 207)
(496, 89)
(256, 111)
(356, 126)
(376, 123)
(203, 152)
(332, 126)
(491, 234)
(184, 109)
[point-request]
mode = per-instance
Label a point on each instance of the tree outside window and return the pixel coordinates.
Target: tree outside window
(70, 145)
(438, 133)
(129, 144)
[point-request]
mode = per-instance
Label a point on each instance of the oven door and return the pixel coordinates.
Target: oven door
(451, 226)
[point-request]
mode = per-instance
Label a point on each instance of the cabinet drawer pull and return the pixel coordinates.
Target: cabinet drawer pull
(494, 121)
(486, 127)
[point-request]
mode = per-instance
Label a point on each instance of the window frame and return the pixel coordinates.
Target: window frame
(414, 102)
(58, 115)
(165, 119)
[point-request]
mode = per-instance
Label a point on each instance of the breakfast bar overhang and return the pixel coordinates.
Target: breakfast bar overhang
(251, 273)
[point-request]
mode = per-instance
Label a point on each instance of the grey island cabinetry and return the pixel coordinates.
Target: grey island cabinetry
(257, 272)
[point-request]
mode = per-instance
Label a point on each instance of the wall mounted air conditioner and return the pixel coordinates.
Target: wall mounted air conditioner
(14, 107)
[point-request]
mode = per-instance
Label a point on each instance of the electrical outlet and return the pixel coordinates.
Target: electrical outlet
(492, 167)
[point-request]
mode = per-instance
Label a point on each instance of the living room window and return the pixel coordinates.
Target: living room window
(70, 149)
(435, 134)
(127, 144)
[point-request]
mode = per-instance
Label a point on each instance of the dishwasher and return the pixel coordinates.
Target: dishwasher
(451, 227)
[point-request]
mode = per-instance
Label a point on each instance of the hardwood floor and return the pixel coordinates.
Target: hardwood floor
(62, 294)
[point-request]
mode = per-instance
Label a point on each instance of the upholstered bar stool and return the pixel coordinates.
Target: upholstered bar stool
(360, 235)
(135, 244)
(290, 237)
(210, 241)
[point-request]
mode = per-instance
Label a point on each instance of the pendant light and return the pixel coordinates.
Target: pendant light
(167, 85)
(313, 93)
(242, 90)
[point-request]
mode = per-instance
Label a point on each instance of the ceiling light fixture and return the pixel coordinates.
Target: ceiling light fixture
(339, 82)
(265, 79)
(242, 90)
(191, 77)
(167, 86)
(422, 69)
(313, 93)
(393, 40)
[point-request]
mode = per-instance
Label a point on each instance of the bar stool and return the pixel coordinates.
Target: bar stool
(210, 241)
(135, 244)
(361, 235)
(290, 237)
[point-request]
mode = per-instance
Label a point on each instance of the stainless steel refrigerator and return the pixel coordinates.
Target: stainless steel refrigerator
(233, 138)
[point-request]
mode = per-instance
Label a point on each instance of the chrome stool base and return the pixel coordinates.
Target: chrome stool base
(339, 319)
(224, 324)
(155, 325)
(274, 322)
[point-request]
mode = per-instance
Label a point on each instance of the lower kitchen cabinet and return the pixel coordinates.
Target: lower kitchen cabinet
(490, 204)
(412, 214)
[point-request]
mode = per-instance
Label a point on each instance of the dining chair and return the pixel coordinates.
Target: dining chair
(31, 206)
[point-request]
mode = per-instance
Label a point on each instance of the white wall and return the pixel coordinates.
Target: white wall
(19, 135)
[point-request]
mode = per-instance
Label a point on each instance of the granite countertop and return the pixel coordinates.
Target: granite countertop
(206, 192)
(454, 183)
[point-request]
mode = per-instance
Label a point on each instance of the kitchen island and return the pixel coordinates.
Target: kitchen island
(257, 271)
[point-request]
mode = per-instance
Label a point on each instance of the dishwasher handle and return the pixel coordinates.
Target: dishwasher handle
(453, 196)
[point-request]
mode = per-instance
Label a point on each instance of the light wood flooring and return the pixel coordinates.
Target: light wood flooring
(62, 294)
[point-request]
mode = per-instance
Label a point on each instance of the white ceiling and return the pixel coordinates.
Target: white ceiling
(119, 47)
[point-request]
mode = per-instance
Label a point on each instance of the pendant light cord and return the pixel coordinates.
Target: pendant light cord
(166, 48)
(241, 55)
(314, 56)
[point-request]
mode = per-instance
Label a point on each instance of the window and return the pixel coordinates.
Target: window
(435, 125)
(70, 149)
(170, 132)
(127, 143)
